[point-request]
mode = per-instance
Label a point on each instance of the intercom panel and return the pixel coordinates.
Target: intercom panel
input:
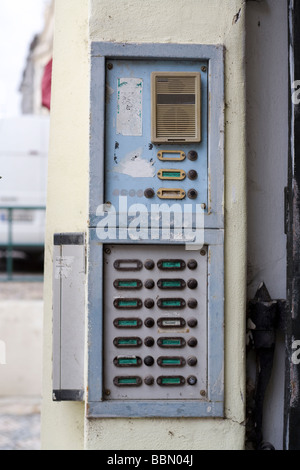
(155, 323)
(155, 287)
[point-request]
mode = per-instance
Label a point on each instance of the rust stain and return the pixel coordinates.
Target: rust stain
(294, 384)
(209, 192)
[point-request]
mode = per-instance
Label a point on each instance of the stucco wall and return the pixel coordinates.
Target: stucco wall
(180, 21)
(67, 205)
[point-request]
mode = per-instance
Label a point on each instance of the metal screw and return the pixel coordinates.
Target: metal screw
(107, 393)
(107, 251)
(203, 252)
(203, 393)
(204, 68)
(110, 66)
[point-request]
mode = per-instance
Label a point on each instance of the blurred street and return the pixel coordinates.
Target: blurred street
(19, 424)
(21, 311)
(25, 93)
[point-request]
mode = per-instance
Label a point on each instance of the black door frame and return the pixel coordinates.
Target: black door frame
(292, 370)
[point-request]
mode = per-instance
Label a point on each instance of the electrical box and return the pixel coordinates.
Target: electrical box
(156, 233)
(69, 278)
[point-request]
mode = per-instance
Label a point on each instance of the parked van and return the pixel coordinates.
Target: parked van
(23, 184)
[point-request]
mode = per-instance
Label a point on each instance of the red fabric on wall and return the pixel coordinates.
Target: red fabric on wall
(46, 85)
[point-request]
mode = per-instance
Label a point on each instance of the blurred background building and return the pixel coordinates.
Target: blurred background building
(39, 57)
(23, 162)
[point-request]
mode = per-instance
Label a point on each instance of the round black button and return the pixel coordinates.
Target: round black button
(192, 284)
(192, 303)
(192, 264)
(192, 322)
(192, 361)
(192, 155)
(149, 341)
(192, 194)
(192, 175)
(149, 303)
(149, 322)
(149, 380)
(149, 193)
(192, 380)
(149, 361)
(149, 284)
(149, 264)
(192, 342)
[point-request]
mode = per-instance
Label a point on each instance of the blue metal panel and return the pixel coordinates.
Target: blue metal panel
(130, 158)
(213, 80)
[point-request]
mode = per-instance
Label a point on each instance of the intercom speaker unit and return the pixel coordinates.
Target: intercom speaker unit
(176, 107)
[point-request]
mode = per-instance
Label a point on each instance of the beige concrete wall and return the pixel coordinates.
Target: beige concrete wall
(63, 424)
(175, 21)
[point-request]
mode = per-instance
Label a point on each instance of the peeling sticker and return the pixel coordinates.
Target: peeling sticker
(134, 165)
(129, 107)
(63, 266)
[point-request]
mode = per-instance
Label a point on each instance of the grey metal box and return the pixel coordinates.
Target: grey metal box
(69, 275)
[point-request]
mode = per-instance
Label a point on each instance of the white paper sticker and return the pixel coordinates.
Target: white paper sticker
(135, 166)
(129, 107)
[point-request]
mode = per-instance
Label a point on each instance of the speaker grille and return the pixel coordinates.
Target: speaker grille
(177, 121)
(175, 85)
(176, 102)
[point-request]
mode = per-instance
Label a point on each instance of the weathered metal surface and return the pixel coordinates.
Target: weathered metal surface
(264, 318)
